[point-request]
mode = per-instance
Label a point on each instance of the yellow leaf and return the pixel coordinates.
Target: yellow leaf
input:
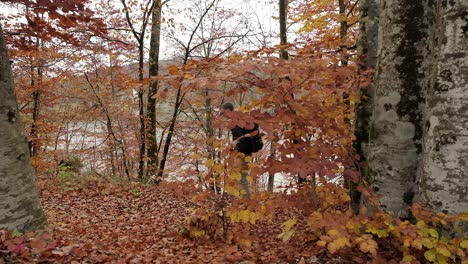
(433, 233)
(420, 224)
(209, 162)
(332, 232)
(430, 255)
(342, 242)
(321, 243)
(253, 218)
(173, 70)
(233, 190)
(236, 175)
(286, 236)
(427, 243)
(364, 247)
(407, 258)
(235, 217)
(464, 244)
(244, 216)
(246, 242)
(289, 224)
(196, 233)
(444, 251)
(417, 243)
(218, 168)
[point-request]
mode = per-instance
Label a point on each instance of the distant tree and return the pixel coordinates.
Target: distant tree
(38, 38)
(19, 201)
(146, 11)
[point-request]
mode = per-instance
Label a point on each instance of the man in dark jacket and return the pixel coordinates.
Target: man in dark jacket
(242, 143)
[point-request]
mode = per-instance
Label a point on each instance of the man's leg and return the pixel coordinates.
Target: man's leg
(244, 174)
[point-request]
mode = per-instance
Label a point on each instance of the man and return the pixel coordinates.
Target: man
(242, 143)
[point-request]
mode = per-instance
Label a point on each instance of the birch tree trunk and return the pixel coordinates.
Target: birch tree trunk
(404, 58)
(19, 201)
(444, 181)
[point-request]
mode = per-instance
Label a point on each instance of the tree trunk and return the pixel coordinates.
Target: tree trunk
(343, 33)
(153, 72)
(367, 52)
(170, 134)
(396, 130)
(141, 114)
(444, 178)
(283, 34)
(19, 201)
(283, 6)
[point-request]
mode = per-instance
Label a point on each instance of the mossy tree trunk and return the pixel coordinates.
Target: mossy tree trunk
(444, 181)
(402, 73)
(418, 132)
(19, 201)
(367, 51)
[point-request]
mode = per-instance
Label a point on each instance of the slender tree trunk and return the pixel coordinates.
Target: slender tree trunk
(19, 201)
(210, 134)
(141, 114)
(396, 127)
(343, 32)
(140, 38)
(34, 126)
(36, 83)
(283, 4)
(444, 181)
(180, 95)
(153, 72)
(170, 134)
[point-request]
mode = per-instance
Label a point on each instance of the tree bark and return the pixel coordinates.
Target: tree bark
(367, 52)
(153, 72)
(283, 34)
(444, 181)
(404, 60)
(19, 201)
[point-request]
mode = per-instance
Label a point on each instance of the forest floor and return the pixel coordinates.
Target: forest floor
(95, 221)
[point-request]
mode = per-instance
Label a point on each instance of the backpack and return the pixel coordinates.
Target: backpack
(247, 145)
(257, 143)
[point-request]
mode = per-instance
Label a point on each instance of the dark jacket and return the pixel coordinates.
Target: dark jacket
(245, 145)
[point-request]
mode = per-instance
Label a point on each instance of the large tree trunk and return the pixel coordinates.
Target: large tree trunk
(367, 51)
(19, 202)
(444, 181)
(404, 59)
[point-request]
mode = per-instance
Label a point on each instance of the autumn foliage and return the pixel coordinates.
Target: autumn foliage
(87, 137)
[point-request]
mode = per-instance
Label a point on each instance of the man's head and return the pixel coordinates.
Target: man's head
(228, 106)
